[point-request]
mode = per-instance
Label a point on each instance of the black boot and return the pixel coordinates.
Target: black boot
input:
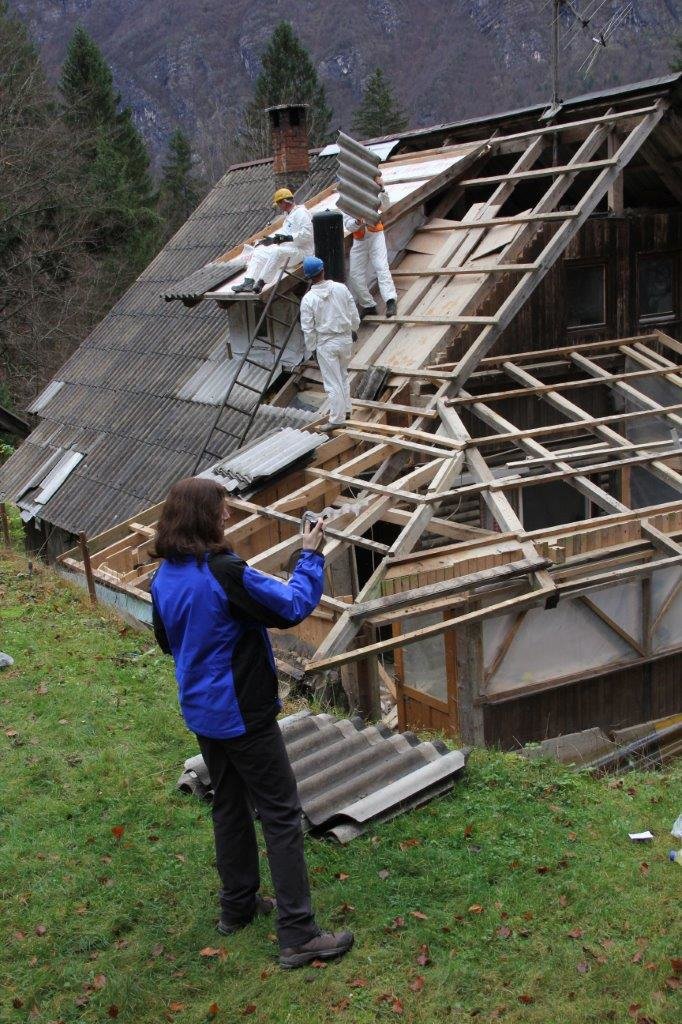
(247, 285)
(258, 286)
(391, 307)
(367, 311)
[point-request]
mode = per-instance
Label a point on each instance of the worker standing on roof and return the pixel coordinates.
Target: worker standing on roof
(368, 253)
(291, 243)
(329, 320)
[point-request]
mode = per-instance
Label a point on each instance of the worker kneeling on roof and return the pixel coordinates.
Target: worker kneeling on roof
(368, 255)
(329, 320)
(289, 245)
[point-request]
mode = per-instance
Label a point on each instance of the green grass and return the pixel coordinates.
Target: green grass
(92, 742)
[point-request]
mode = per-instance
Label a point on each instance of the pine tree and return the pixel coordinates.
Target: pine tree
(287, 76)
(379, 113)
(115, 155)
(180, 189)
(677, 62)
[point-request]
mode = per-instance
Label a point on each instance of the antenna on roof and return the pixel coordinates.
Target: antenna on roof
(602, 38)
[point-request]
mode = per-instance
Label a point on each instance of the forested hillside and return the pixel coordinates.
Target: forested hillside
(193, 63)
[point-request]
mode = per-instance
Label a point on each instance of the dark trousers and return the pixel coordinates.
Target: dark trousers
(254, 771)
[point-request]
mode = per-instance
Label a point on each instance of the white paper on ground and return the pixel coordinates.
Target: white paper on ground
(640, 836)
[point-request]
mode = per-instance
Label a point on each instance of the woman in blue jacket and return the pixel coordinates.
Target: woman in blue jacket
(210, 611)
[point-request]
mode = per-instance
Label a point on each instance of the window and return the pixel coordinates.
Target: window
(655, 280)
(585, 296)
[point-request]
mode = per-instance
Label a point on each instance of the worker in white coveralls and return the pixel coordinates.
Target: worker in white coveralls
(329, 320)
(290, 244)
(368, 255)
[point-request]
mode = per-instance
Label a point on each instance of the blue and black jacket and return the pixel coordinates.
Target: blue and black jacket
(211, 615)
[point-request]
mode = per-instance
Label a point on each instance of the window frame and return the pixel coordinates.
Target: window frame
(648, 319)
(588, 264)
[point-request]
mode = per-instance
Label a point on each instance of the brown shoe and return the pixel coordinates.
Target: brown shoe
(325, 946)
(264, 905)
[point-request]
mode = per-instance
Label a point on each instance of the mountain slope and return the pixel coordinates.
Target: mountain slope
(192, 63)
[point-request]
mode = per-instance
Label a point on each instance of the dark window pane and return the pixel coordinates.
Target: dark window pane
(584, 296)
(656, 286)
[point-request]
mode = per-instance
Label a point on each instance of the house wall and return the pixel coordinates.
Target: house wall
(610, 701)
(618, 242)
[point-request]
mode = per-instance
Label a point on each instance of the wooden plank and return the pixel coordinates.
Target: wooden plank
(503, 649)
(566, 428)
(539, 172)
(570, 385)
(613, 626)
(433, 321)
(408, 599)
(485, 268)
(528, 600)
(604, 377)
(493, 222)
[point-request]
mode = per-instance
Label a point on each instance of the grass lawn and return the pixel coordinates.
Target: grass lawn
(518, 898)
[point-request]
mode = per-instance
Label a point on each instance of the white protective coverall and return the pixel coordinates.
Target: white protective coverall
(368, 257)
(328, 318)
(266, 260)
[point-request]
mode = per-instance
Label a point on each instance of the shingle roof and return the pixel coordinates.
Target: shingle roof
(118, 403)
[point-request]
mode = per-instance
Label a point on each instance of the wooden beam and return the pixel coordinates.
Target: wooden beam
(539, 172)
(632, 394)
(493, 222)
(615, 195)
(568, 428)
(470, 269)
(433, 321)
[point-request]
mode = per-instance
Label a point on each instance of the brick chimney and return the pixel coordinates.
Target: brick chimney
(289, 144)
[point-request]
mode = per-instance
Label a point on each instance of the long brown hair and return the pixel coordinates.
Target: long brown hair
(191, 521)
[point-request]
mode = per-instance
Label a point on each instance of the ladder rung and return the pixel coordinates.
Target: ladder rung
(539, 172)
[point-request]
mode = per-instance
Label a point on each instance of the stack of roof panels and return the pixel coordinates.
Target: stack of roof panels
(350, 774)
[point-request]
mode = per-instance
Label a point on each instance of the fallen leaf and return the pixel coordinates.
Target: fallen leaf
(80, 910)
(212, 1011)
(424, 956)
(563, 901)
(577, 933)
(397, 1005)
(345, 909)
(676, 964)
(176, 1007)
(157, 950)
(342, 876)
(526, 999)
(468, 831)
(153, 839)
(19, 936)
(634, 1008)
(651, 966)
(673, 983)
(209, 951)
(41, 689)
(358, 983)
(342, 1005)
(503, 932)
(249, 1008)
(319, 965)
(607, 943)
(99, 981)
(82, 1000)
(527, 915)
(117, 832)
(476, 908)
(572, 836)
(397, 922)
(181, 857)
(542, 869)
(582, 967)
(637, 958)
(11, 733)
(417, 983)
(112, 1011)
(17, 1003)
(408, 844)
(383, 874)
(419, 915)
(644, 868)
(41, 929)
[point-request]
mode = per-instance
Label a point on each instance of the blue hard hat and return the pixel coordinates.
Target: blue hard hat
(312, 266)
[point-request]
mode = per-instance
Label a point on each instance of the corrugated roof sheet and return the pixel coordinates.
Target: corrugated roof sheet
(116, 399)
(265, 457)
(350, 775)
